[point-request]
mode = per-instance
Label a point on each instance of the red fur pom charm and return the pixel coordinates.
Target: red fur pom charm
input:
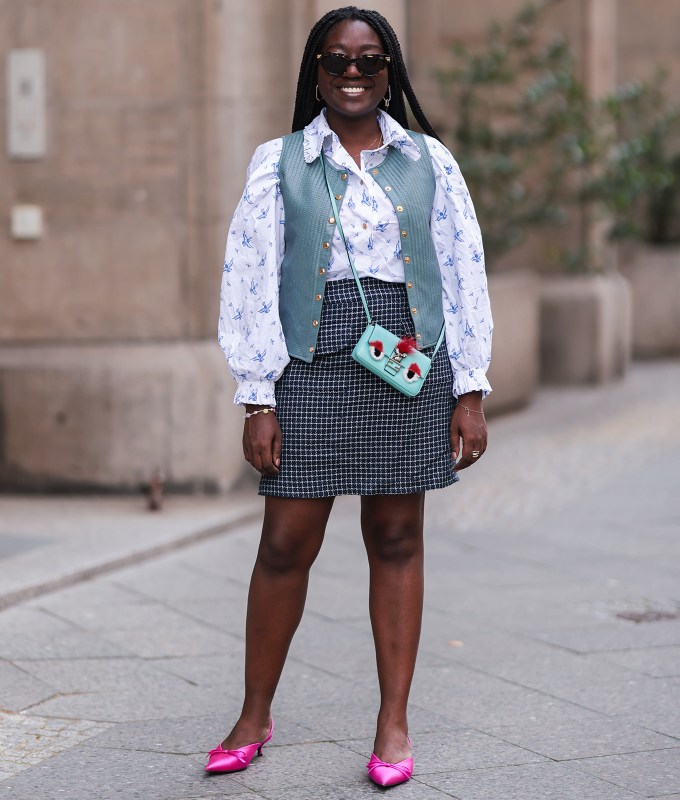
(377, 349)
(412, 373)
(406, 345)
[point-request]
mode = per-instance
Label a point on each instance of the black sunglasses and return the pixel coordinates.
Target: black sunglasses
(338, 64)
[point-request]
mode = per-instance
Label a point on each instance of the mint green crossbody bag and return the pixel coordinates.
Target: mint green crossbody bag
(395, 359)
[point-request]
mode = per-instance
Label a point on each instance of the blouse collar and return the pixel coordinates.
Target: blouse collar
(318, 133)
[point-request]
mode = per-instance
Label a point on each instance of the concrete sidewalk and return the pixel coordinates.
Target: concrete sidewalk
(550, 657)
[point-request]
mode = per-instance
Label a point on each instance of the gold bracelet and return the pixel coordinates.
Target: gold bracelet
(259, 411)
(474, 411)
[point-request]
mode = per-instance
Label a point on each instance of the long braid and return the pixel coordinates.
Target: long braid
(307, 106)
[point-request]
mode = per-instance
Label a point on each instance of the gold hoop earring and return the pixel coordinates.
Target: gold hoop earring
(318, 96)
(388, 97)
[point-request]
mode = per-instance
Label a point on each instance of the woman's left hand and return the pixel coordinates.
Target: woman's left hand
(468, 428)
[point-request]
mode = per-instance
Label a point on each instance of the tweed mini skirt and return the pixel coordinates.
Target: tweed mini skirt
(346, 431)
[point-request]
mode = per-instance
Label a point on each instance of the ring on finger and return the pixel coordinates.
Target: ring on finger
(476, 453)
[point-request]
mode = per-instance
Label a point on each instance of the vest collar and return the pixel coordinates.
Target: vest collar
(318, 134)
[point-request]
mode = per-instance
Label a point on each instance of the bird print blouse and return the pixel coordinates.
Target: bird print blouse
(249, 330)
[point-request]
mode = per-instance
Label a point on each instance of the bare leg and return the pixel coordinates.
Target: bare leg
(292, 534)
(392, 527)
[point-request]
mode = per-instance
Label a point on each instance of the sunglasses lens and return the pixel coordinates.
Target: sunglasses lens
(337, 64)
(370, 65)
(334, 64)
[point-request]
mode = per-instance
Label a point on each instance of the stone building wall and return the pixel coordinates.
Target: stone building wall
(108, 366)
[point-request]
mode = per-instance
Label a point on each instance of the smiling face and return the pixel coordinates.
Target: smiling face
(352, 95)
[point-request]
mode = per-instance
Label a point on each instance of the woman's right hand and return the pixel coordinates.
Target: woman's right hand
(262, 441)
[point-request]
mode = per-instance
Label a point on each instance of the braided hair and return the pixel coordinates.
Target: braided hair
(307, 107)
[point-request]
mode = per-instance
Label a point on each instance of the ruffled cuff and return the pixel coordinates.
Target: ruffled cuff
(471, 381)
(259, 393)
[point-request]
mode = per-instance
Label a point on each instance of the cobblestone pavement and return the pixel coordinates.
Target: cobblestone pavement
(550, 656)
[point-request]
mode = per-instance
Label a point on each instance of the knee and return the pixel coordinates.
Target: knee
(281, 554)
(395, 541)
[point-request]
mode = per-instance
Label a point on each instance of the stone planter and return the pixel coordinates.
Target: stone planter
(586, 329)
(104, 417)
(513, 373)
(654, 275)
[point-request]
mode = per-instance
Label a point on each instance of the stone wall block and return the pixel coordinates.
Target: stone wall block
(647, 41)
(107, 50)
(654, 275)
(118, 280)
(586, 329)
(513, 373)
(106, 417)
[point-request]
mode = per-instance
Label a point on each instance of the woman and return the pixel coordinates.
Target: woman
(317, 423)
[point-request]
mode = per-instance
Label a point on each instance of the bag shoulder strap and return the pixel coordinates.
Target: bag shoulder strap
(342, 234)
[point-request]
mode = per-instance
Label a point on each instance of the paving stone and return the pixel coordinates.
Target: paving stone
(489, 569)
(580, 738)
(449, 750)
(19, 689)
(147, 615)
(333, 597)
(228, 616)
(191, 735)
(345, 649)
(557, 781)
(301, 765)
(479, 700)
(664, 720)
(171, 635)
(134, 703)
(333, 713)
(26, 740)
(92, 605)
(11, 545)
(32, 633)
(224, 669)
(588, 682)
(413, 790)
(167, 578)
(640, 695)
(613, 636)
(649, 774)
(227, 560)
(659, 662)
(85, 771)
(101, 675)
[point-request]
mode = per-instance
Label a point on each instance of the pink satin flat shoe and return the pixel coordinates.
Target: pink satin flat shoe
(384, 774)
(221, 760)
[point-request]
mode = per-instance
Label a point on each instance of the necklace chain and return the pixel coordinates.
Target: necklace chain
(371, 146)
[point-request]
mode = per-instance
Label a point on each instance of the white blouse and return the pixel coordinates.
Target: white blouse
(249, 330)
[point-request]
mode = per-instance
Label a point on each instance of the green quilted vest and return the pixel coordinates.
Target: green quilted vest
(309, 232)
